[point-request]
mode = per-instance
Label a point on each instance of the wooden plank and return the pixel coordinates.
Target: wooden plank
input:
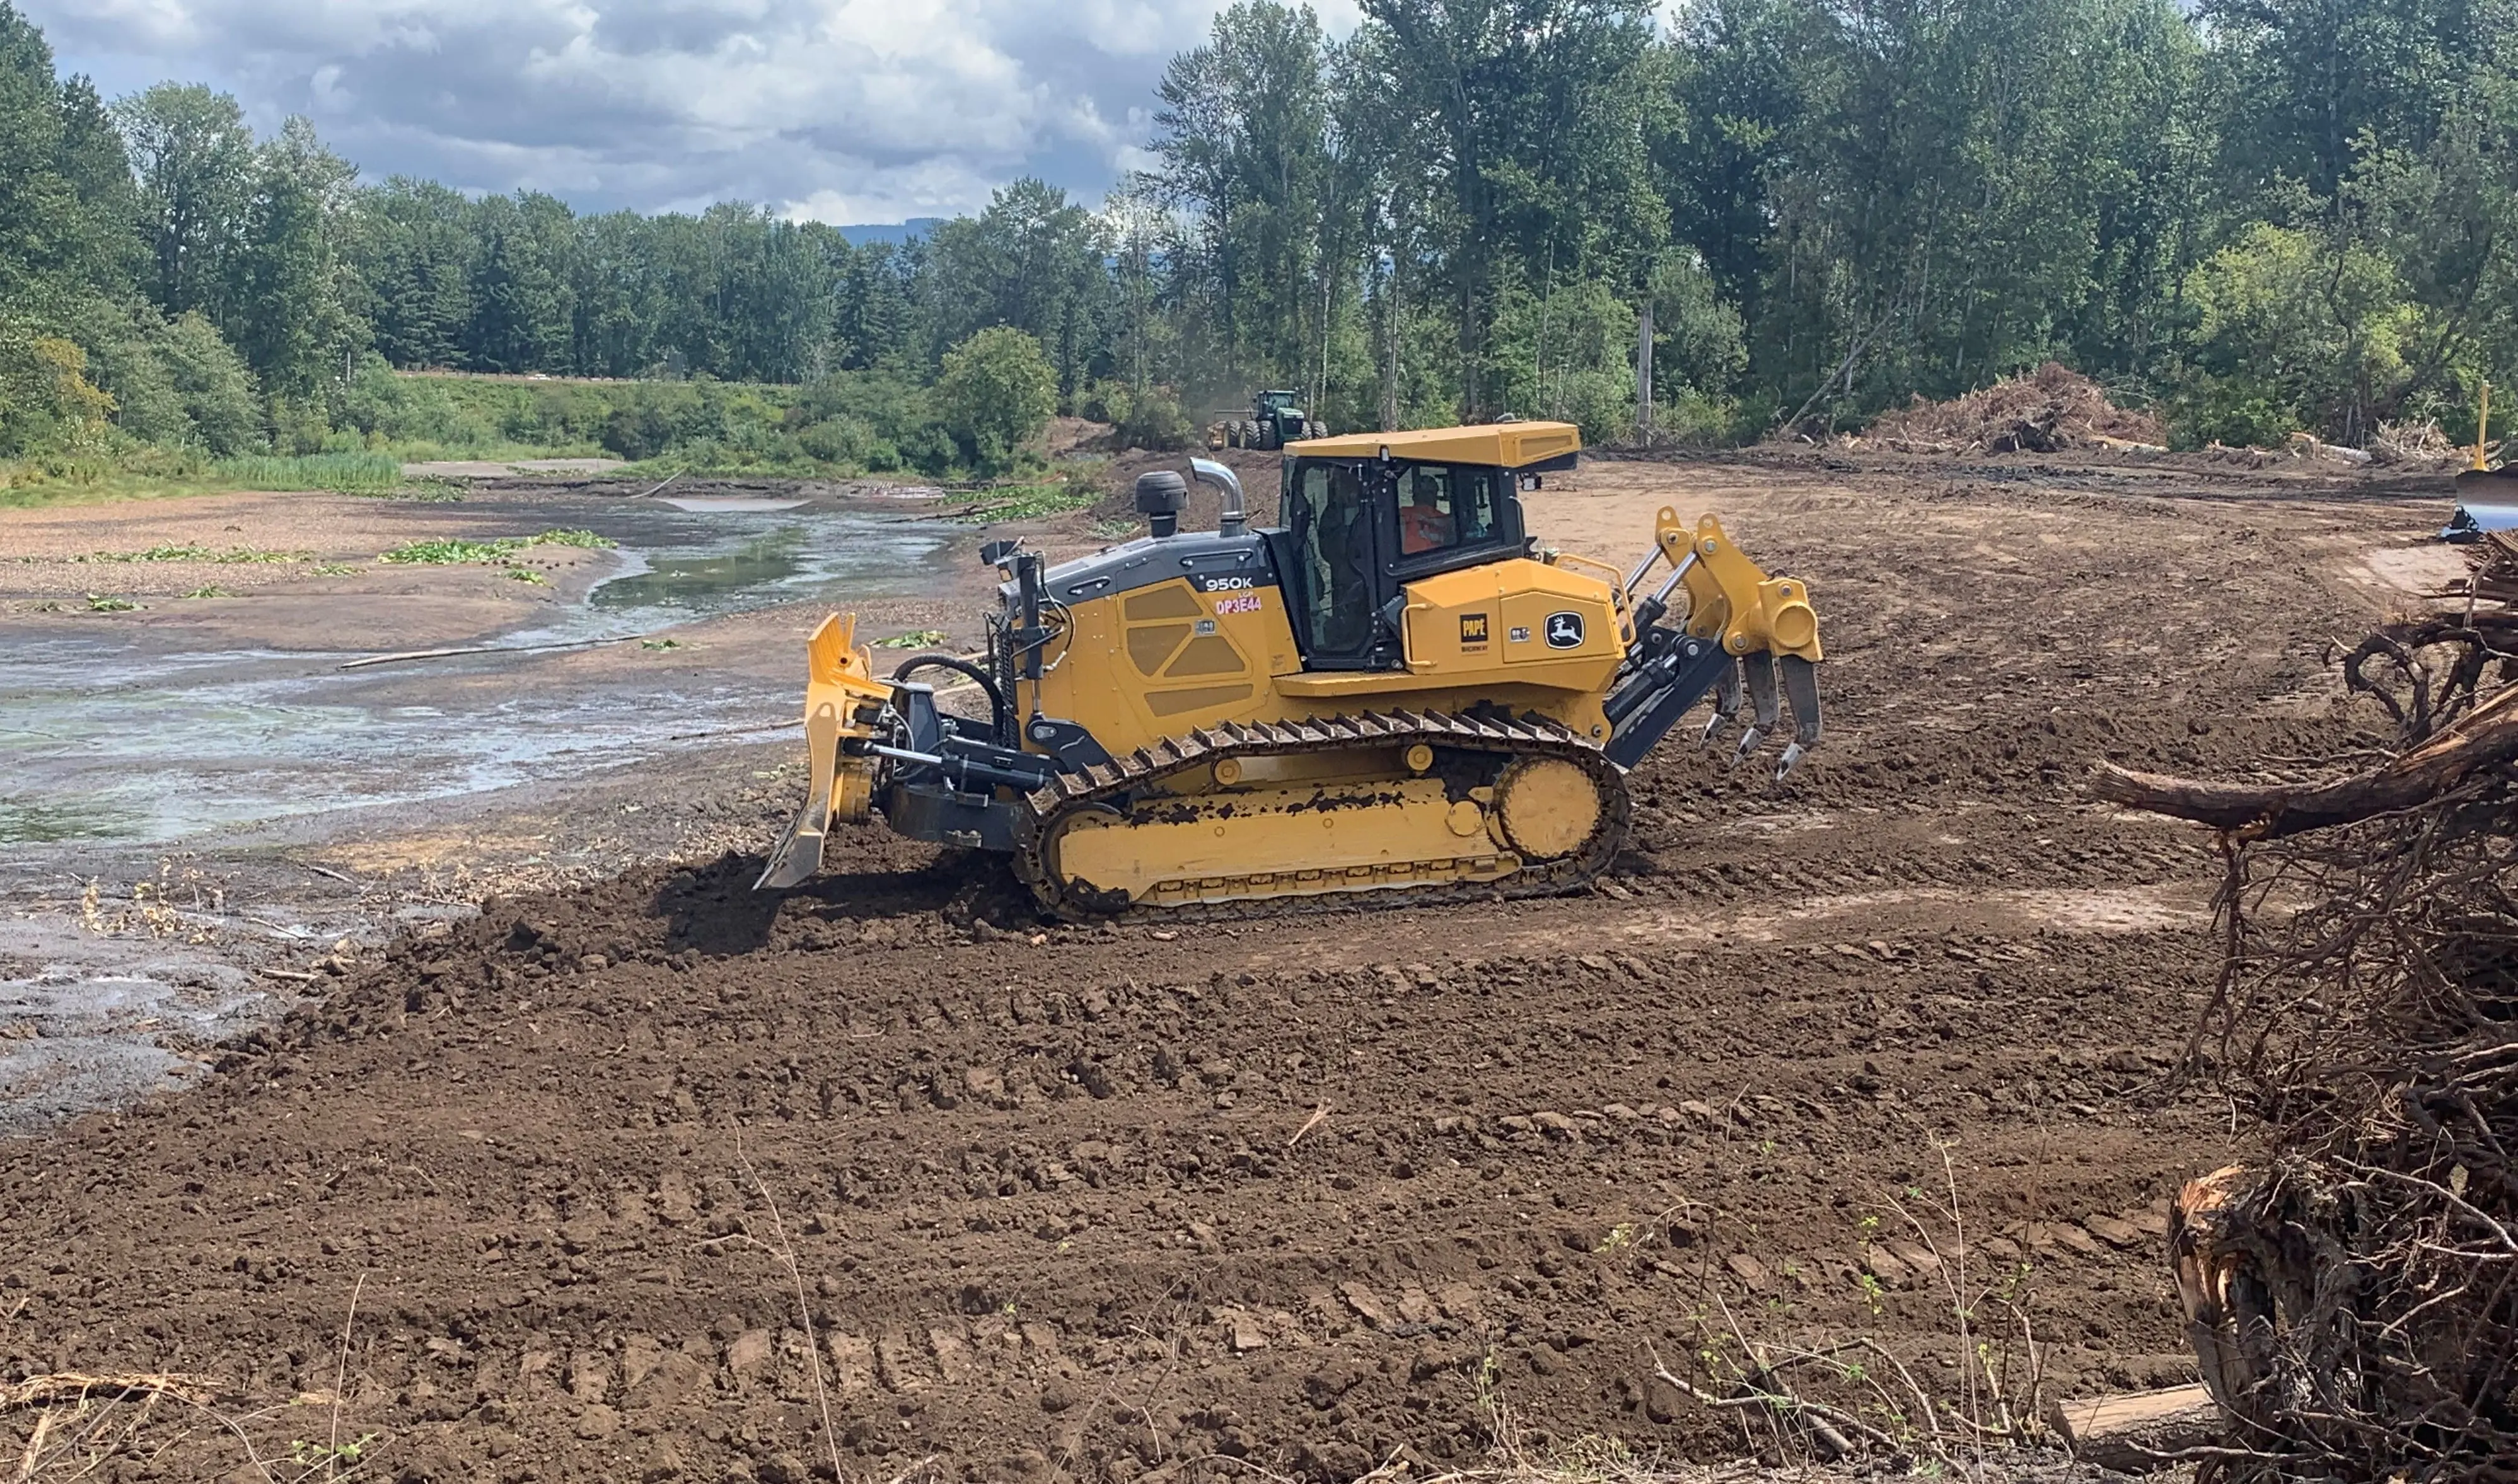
(2136, 1430)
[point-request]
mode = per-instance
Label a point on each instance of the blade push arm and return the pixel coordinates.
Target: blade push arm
(1740, 625)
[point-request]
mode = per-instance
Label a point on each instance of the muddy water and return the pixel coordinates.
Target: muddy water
(108, 739)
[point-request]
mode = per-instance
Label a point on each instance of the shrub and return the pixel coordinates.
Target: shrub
(930, 450)
(638, 432)
(2291, 334)
(1153, 420)
(47, 404)
(210, 380)
(837, 440)
(997, 392)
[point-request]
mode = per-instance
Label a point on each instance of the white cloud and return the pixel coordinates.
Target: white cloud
(841, 109)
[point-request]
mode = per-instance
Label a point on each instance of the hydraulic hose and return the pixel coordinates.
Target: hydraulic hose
(1000, 715)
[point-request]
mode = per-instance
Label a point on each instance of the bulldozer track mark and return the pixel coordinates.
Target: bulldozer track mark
(1494, 869)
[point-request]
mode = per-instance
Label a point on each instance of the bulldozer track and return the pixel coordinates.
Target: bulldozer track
(1101, 786)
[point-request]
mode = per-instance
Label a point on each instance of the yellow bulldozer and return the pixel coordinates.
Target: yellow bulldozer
(1396, 695)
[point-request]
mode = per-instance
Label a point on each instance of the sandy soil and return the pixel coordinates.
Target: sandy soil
(279, 572)
(1297, 1198)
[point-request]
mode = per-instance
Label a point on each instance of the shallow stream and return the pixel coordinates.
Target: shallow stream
(111, 739)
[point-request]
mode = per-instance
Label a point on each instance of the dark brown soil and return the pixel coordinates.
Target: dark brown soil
(1308, 1193)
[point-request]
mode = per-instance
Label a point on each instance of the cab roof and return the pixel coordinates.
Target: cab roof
(1510, 445)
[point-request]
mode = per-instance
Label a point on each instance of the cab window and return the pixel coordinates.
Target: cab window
(1335, 533)
(1444, 506)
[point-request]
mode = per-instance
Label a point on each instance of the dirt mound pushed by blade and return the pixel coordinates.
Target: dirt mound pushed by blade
(2049, 410)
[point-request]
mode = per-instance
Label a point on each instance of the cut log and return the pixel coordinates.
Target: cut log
(2137, 1430)
(2486, 737)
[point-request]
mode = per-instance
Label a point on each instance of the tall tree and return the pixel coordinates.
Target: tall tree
(1033, 261)
(1525, 118)
(195, 161)
(1243, 141)
(66, 202)
(522, 317)
(416, 257)
(296, 301)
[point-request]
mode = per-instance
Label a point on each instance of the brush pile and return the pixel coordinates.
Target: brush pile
(2353, 1294)
(2495, 580)
(2046, 412)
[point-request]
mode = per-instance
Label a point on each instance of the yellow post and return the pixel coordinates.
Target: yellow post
(2482, 422)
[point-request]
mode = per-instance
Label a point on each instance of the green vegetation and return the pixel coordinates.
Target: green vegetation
(1031, 501)
(448, 551)
(996, 390)
(230, 556)
(915, 638)
(451, 550)
(342, 473)
(2258, 217)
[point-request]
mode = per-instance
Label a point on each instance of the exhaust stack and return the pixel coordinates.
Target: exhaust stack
(1226, 482)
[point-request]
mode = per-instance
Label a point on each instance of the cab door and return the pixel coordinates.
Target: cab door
(1343, 547)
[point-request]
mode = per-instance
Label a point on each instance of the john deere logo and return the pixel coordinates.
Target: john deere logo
(1564, 630)
(1473, 627)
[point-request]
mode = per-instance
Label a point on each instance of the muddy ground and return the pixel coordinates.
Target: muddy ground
(647, 1177)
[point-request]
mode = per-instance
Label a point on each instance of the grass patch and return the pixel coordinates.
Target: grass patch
(213, 590)
(335, 473)
(447, 553)
(97, 604)
(231, 556)
(1020, 502)
(571, 538)
(660, 643)
(527, 575)
(156, 473)
(452, 552)
(338, 569)
(918, 639)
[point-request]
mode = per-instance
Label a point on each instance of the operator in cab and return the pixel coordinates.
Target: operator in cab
(1424, 525)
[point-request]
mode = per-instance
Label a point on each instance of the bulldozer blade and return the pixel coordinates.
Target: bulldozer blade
(840, 684)
(798, 857)
(800, 851)
(1757, 669)
(1727, 704)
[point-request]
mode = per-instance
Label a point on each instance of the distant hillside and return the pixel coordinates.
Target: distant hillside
(895, 231)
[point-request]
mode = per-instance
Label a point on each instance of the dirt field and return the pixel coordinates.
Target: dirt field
(1294, 1199)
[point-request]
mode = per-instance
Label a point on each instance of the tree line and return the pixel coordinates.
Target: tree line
(2258, 215)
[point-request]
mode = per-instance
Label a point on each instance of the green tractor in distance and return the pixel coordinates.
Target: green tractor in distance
(1273, 421)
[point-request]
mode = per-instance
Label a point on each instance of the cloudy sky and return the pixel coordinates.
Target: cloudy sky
(848, 110)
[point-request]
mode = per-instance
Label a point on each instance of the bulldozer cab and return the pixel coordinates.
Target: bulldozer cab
(1359, 529)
